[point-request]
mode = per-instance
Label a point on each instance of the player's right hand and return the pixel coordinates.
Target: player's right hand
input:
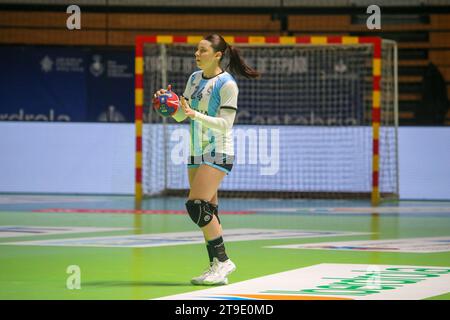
(162, 91)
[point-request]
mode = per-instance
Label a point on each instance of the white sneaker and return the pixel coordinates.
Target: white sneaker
(199, 280)
(219, 272)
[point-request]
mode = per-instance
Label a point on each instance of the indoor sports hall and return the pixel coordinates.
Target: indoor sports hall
(340, 180)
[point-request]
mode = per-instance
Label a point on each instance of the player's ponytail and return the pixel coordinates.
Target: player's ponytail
(236, 64)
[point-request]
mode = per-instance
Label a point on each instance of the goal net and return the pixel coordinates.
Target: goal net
(321, 122)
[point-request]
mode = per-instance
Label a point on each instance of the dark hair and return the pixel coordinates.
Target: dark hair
(237, 64)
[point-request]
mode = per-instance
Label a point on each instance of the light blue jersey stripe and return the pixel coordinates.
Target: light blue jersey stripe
(214, 100)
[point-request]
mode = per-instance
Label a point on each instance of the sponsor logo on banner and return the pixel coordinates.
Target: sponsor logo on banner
(413, 245)
(61, 64)
(183, 238)
(32, 231)
(46, 64)
(96, 67)
(117, 70)
(111, 114)
(114, 69)
(23, 116)
(335, 282)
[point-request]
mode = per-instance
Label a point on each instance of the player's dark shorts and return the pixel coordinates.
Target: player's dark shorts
(220, 161)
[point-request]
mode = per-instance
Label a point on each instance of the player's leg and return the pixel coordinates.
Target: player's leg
(199, 279)
(214, 201)
(203, 189)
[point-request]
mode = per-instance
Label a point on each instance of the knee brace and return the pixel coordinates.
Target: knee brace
(200, 212)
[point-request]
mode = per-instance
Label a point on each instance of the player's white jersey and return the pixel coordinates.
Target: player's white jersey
(208, 95)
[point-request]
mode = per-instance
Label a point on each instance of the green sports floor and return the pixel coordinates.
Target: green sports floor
(122, 253)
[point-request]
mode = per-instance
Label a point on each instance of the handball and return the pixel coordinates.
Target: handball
(166, 104)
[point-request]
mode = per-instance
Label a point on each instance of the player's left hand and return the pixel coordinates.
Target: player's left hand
(187, 109)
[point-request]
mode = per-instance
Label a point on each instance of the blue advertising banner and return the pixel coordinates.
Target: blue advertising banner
(110, 83)
(66, 84)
